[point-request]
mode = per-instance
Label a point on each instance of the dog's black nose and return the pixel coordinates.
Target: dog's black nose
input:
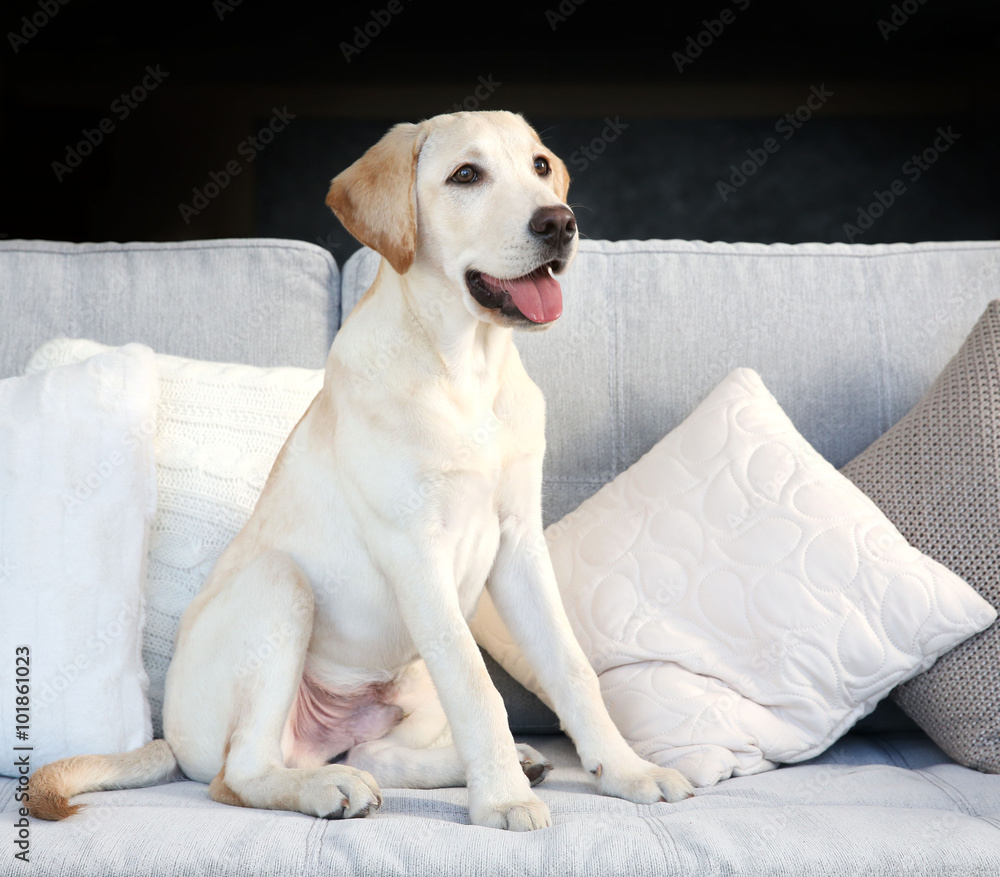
(555, 225)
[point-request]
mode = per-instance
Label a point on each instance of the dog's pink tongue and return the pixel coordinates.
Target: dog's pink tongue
(537, 295)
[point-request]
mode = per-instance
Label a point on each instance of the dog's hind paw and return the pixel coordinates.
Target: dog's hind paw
(536, 766)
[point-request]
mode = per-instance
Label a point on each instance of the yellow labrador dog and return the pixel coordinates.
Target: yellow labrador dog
(413, 481)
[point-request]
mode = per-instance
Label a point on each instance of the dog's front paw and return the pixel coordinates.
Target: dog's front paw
(643, 783)
(535, 765)
(526, 814)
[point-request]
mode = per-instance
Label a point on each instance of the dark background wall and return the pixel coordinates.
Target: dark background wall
(658, 145)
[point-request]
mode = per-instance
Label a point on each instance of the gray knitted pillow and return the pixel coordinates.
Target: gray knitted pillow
(936, 476)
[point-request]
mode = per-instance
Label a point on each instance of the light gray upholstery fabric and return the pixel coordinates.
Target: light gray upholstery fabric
(879, 807)
(847, 337)
(260, 302)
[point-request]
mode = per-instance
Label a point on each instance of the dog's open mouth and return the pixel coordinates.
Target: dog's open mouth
(536, 296)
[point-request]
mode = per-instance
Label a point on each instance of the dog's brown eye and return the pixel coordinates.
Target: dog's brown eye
(542, 166)
(465, 174)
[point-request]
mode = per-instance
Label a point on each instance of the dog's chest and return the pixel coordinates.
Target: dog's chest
(462, 441)
(463, 510)
(434, 488)
(454, 488)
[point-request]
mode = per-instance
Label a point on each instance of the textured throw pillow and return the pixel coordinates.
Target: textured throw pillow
(77, 497)
(936, 475)
(741, 601)
(219, 430)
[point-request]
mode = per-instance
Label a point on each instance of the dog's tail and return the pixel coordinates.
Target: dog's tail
(52, 785)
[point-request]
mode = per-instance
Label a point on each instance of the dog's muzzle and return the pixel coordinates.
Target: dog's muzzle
(535, 297)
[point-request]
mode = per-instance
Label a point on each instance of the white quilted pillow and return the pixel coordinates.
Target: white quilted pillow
(741, 601)
(219, 428)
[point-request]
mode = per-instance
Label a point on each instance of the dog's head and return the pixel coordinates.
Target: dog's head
(475, 198)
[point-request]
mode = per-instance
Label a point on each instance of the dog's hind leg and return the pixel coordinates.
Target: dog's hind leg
(438, 767)
(238, 664)
(418, 753)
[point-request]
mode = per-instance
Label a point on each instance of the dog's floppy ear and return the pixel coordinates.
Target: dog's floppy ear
(561, 175)
(375, 198)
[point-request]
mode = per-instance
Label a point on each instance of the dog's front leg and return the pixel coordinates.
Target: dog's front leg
(499, 792)
(523, 588)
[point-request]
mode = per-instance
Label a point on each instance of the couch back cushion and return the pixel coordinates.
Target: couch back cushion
(847, 337)
(261, 302)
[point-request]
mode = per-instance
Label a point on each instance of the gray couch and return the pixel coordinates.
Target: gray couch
(846, 337)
